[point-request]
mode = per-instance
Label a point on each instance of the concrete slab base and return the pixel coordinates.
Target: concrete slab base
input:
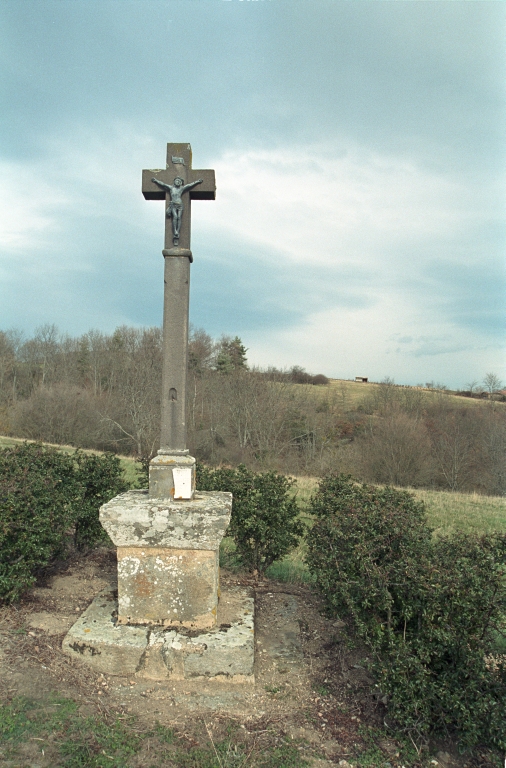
(225, 652)
(278, 632)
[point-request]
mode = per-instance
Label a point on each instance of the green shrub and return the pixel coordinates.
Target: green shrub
(142, 472)
(367, 546)
(264, 523)
(100, 478)
(48, 498)
(37, 497)
(430, 610)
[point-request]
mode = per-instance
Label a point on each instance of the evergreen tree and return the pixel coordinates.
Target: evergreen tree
(231, 355)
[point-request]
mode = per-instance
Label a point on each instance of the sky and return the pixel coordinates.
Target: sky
(359, 222)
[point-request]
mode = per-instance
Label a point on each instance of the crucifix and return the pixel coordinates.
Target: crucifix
(171, 473)
(168, 537)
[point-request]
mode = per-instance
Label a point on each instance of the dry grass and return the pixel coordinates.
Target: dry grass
(304, 488)
(353, 393)
(448, 512)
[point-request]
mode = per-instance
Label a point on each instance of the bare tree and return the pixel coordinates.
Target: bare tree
(397, 450)
(454, 440)
(10, 342)
(493, 447)
(492, 382)
(59, 414)
(133, 402)
(103, 391)
(201, 351)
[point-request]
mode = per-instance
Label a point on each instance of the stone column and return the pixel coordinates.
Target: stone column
(172, 471)
(175, 360)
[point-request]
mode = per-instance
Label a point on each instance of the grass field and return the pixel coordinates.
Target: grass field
(352, 394)
(467, 512)
(447, 513)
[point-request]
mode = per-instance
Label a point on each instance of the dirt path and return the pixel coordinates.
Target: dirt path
(311, 686)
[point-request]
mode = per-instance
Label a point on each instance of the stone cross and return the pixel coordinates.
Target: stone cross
(168, 538)
(171, 472)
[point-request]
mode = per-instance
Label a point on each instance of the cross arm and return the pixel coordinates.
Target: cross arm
(149, 189)
(204, 191)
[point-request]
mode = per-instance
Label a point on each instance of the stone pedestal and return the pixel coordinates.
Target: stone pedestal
(168, 619)
(168, 557)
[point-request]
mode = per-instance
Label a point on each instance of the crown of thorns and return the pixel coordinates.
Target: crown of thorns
(178, 178)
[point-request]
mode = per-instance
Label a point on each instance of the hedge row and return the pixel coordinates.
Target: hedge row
(432, 611)
(49, 500)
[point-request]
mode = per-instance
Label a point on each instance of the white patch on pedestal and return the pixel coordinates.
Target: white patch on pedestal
(182, 482)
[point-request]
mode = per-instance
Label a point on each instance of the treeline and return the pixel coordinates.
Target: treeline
(103, 391)
(419, 439)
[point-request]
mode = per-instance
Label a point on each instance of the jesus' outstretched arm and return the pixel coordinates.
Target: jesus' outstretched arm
(162, 184)
(192, 184)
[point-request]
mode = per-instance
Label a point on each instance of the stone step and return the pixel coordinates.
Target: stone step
(226, 651)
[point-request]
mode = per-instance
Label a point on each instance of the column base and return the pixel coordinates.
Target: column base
(168, 587)
(224, 653)
(172, 476)
(168, 557)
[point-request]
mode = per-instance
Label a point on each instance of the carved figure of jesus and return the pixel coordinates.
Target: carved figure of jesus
(175, 209)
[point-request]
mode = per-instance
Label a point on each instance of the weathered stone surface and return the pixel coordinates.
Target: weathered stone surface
(172, 587)
(101, 642)
(168, 555)
(226, 652)
(133, 519)
(162, 480)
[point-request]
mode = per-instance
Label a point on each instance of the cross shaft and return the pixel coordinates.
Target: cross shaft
(196, 185)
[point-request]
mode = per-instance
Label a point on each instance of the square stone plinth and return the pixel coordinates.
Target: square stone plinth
(168, 554)
(171, 587)
(223, 653)
(133, 519)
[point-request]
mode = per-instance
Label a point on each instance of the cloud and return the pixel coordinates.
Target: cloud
(28, 207)
(328, 204)
(345, 343)
(374, 250)
(73, 245)
(327, 255)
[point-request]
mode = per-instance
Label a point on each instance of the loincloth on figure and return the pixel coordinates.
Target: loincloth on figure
(174, 208)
